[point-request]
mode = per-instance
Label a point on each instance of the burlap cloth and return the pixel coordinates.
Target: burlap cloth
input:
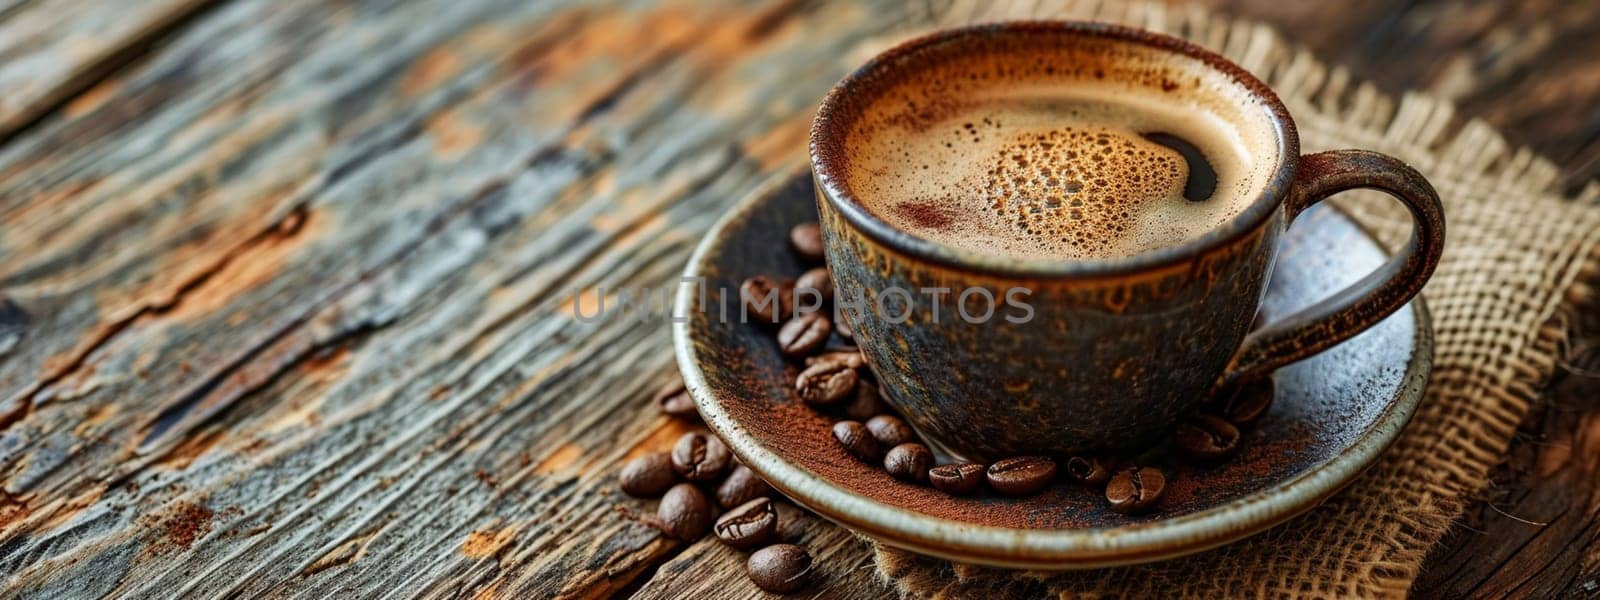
(1517, 257)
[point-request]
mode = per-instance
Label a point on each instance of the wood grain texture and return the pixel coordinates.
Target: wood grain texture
(291, 309)
(1527, 68)
(51, 49)
(286, 304)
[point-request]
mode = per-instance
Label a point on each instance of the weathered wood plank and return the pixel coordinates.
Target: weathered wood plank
(342, 356)
(1527, 68)
(52, 49)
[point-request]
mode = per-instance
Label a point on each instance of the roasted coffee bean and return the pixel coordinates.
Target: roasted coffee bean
(1207, 437)
(674, 400)
(804, 334)
(684, 513)
(866, 403)
(648, 476)
(826, 383)
(820, 280)
(890, 430)
(857, 440)
(700, 457)
(842, 327)
(752, 524)
(909, 462)
(1136, 489)
(1021, 475)
(806, 238)
(741, 486)
(851, 358)
(956, 479)
(780, 568)
(1088, 470)
(765, 300)
(1244, 405)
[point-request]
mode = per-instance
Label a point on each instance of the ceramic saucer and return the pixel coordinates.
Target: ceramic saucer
(1332, 416)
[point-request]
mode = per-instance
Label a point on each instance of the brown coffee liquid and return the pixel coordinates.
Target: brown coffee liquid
(1055, 171)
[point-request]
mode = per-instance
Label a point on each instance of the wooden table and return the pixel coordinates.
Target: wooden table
(286, 287)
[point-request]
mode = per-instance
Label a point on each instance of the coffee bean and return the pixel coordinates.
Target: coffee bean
(684, 513)
(804, 334)
(765, 300)
(909, 462)
(1021, 475)
(956, 479)
(842, 327)
(890, 430)
(700, 457)
(1088, 470)
(648, 476)
(819, 280)
(826, 383)
(857, 440)
(1207, 437)
(851, 358)
(1245, 404)
(675, 401)
(1136, 489)
(752, 524)
(780, 568)
(741, 486)
(806, 238)
(866, 403)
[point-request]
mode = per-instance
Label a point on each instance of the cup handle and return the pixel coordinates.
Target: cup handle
(1366, 302)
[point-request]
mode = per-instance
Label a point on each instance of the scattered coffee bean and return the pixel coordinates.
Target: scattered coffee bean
(1246, 404)
(700, 457)
(956, 479)
(765, 300)
(780, 568)
(1021, 475)
(1136, 489)
(857, 440)
(1207, 437)
(818, 279)
(675, 401)
(648, 476)
(741, 486)
(866, 403)
(890, 430)
(806, 238)
(752, 524)
(851, 358)
(1088, 470)
(804, 334)
(826, 383)
(684, 513)
(909, 462)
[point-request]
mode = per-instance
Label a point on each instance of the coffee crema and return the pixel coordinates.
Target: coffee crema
(1066, 168)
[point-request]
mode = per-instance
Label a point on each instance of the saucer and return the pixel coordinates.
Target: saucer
(1333, 414)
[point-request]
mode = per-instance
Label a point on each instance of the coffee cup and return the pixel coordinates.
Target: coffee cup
(1101, 207)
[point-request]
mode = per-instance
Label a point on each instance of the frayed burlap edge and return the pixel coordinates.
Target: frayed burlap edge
(1520, 257)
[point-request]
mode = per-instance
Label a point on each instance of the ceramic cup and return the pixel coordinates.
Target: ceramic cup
(1113, 351)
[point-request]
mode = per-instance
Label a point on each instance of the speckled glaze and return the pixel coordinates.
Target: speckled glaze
(1117, 349)
(1334, 413)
